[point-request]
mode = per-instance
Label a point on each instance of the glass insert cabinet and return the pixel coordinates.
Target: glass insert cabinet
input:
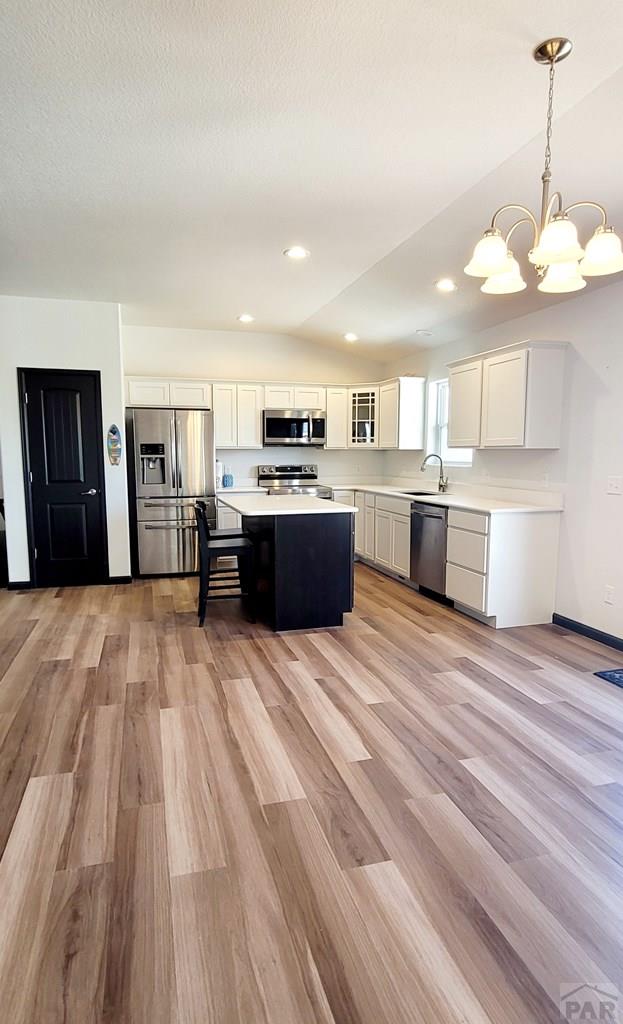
(364, 415)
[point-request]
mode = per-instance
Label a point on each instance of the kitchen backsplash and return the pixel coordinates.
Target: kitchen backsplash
(333, 466)
(531, 482)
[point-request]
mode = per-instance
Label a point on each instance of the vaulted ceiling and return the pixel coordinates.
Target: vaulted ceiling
(162, 155)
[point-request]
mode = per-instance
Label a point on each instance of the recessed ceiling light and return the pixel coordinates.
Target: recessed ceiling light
(445, 284)
(296, 252)
(424, 334)
(349, 336)
(246, 318)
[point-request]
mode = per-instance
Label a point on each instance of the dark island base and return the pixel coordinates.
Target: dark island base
(304, 569)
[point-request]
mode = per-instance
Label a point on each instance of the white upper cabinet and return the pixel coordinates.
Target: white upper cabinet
(389, 397)
(504, 385)
(196, 394)
(364, 417)
(465, 401)
(310, 397)
(225, 403)
(508, 398)
(279, 396)
(337, 418)
(401, 413)
(249, 417)
(145, 391)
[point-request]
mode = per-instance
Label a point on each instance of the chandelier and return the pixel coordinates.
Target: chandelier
(559, 259)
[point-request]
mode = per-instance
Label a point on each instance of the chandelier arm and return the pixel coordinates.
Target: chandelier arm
(512, 206)
(516, 206)
(595, 206)
(548, 212)
(524, 220)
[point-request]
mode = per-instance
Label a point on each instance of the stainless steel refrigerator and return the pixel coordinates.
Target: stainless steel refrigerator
(174, 463)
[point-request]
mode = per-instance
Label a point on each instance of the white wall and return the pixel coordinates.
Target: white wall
(239, 355)
(60, 334)
(591, 548)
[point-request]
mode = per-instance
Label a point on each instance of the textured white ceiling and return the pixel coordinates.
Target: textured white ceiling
(162, 154)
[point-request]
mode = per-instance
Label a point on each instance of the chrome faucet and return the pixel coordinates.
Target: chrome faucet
(443, 480)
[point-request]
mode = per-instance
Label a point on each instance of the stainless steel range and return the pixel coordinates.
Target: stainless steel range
(293, 480)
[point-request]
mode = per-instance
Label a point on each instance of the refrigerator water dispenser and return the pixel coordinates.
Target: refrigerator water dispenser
(152, 464)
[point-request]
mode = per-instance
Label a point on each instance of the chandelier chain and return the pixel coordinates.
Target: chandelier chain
(550, 112)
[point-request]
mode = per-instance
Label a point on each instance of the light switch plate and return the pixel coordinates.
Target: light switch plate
(615, 485)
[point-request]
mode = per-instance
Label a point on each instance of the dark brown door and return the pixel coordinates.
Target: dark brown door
(63, 451)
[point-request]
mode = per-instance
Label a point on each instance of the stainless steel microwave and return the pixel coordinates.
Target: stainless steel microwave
(304, 427)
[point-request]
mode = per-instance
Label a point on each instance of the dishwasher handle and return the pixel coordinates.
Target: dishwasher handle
(429, 511)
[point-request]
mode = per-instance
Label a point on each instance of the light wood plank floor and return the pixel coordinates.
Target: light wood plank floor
(410, 819)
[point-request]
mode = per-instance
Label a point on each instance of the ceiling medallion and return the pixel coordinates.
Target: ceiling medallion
(559, 259)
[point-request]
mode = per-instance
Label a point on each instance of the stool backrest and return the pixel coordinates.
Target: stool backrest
(203, 528)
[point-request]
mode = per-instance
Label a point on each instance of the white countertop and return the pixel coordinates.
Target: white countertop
(475, 502)
(262, 504)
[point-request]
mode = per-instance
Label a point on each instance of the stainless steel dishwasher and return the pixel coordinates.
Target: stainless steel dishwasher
(428, 546)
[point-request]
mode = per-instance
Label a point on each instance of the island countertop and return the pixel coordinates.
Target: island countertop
(282, 504)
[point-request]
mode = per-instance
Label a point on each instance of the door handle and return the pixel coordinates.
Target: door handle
(91, 491)
(171, 526)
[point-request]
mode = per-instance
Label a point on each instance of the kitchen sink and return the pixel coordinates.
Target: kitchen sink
(421, 494)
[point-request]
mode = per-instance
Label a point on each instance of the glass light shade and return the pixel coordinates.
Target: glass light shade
(490, 256)
(558, 243)
(603, 254)
(562, 277)
(506, 283)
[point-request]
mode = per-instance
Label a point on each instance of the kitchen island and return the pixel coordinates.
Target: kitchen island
(304, 553)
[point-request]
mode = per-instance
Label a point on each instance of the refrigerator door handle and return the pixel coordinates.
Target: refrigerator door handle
(178, 432)
(170, 526)
(174, 454)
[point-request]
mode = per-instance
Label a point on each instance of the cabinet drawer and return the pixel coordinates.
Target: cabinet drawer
(467, 549)
(466, 587)
(344, 497)
(369, 500)
(476, 521)
(399, 506)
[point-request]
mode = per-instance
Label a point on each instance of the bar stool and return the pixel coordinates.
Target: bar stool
(219, 544)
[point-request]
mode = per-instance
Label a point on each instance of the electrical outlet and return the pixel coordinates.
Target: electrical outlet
(609, 595)
(615, 485)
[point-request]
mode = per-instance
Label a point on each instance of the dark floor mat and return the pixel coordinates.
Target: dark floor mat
(612, 675)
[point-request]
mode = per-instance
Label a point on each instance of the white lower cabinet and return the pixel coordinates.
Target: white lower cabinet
(369, 543)
(360, 527)
(384, 534)
(401, 545)
(503, 566)
(466, 587)
(467, 549)
(227, 519)
(383, 538)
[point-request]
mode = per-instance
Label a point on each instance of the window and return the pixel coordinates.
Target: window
(438, 398)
